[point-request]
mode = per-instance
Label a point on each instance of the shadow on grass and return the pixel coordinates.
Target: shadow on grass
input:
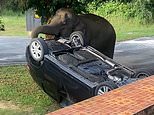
(18, 87)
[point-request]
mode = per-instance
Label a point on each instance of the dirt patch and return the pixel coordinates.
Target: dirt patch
(11, 106)
(8, 105)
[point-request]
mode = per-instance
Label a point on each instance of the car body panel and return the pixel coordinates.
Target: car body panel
(74, 73)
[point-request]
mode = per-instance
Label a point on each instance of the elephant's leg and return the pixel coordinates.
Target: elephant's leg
(109, 52)
(106, 47)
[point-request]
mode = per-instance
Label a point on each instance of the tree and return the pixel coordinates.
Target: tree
(46, 8)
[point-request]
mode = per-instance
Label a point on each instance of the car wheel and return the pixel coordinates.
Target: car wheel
(141, 74)
(105, 87)
(38, 48)
(77, 39)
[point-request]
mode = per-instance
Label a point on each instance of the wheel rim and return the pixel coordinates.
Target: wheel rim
(103, 90)
(36, 50)
(142, 75)
(77, 38)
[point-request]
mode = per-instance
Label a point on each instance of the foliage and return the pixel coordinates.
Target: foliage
(142, 11)
(46, 8)
(13, 5)
(1, 25)
(1, 22)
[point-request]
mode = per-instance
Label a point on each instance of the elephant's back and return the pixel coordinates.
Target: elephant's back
(99, 24)
(98, 20)
(93, 17)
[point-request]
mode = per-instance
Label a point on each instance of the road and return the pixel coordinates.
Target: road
(138, 53)
(12, 50)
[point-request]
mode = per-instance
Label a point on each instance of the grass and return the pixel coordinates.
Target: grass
(16, 26)
(130, 29)
(12, 112)
(17, 87)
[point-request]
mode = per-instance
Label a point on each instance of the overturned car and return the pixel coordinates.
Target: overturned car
(69, 72)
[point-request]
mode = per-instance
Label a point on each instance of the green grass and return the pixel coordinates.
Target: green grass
(17, 86)
(130, 29)
(14, 26)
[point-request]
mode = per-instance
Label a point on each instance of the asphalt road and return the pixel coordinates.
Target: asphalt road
(12, 50)
(138, 53)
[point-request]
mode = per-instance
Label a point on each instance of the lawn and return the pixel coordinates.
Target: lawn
(20, 94)
(130, 29)
(13, 112)
(16, 26)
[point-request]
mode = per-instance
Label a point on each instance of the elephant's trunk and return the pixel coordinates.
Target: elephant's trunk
(45, 29)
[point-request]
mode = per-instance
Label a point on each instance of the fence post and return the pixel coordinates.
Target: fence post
(32, 20)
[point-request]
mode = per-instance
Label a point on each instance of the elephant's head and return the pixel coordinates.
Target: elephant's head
(63, 23)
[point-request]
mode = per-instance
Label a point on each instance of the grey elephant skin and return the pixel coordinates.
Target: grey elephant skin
(98, 32)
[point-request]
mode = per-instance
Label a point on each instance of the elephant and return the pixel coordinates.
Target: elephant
(49, 36)
(98, 32)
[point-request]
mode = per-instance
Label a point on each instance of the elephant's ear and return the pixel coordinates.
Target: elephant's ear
(79, 26)
(66, 18)
(70, 17)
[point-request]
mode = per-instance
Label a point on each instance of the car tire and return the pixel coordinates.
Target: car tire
(76, 37)
(38, 48)
(105, 87)
(141, 74)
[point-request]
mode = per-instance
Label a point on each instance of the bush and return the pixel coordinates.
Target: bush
(1, 25)
(13, 5)
(136, 9)
(10, 8)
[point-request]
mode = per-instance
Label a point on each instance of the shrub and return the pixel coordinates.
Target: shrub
(136, 9)
(1, 25)
(142, 12)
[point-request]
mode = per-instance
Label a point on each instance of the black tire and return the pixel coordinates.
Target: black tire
(38, 45)
(107, 84)
(141, 74)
